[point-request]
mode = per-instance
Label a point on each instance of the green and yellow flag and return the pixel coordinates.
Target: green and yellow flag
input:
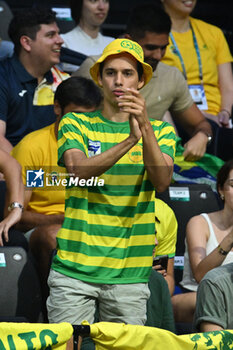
(119, 336)
(34, 336)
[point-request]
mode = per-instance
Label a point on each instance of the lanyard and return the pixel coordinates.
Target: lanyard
(181, 58)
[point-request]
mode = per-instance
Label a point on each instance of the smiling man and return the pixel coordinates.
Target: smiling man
(106, 242)
(28, 79)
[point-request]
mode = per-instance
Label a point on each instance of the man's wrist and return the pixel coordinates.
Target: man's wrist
(208, 135)
(132, 140)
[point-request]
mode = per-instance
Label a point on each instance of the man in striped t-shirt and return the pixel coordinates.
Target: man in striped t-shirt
(119, 158)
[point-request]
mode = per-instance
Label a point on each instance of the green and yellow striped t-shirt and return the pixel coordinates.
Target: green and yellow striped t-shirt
(108, 234)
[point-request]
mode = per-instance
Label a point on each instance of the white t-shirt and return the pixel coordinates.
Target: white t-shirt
(80, 41)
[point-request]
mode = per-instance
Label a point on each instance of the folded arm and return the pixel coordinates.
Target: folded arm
(12, 175)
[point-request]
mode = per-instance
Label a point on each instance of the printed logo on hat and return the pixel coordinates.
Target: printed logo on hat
(127, 44)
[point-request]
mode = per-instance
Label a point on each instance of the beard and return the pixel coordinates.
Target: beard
(152, 62)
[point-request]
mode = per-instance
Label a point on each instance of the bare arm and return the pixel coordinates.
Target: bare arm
(225, 79)
(5, 144)
(32, 219)
(168, 274)
(197, 237)
(12, 174)
(209, 327)
(77, 163)
(195, 124)
(159, 165)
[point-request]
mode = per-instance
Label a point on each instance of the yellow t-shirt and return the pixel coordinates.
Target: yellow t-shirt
(166, 229)
(214, 51)
(38, 150)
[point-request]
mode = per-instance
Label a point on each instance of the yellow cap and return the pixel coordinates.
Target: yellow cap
(119, 46)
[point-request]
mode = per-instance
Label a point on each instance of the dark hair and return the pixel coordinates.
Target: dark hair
(139, 69)
(224, 173)
(78, 90)
(147, 18)
(76, 10)
(27, 22)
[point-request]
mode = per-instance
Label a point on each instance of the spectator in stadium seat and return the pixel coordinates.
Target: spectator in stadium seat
(209, 244)
(44, 207)
(214, 308)
(200, 51)
(86, 37)
(149, 25)
(28, 79)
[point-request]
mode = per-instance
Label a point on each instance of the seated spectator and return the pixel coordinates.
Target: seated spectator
(209, 243)
(86, 37)
(200, 51)
(28, 79)
(166, 235)
(167, 90)
(14, 202)
(214, 309)
(6, 49)
(44, 207)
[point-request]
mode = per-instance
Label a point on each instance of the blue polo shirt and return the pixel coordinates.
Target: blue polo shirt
(18, 106)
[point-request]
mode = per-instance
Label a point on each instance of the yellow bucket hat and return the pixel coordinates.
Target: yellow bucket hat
(118, 46)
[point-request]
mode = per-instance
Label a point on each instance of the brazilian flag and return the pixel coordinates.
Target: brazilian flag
(202, 171)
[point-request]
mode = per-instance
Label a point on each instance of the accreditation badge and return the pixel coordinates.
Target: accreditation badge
(198, 94)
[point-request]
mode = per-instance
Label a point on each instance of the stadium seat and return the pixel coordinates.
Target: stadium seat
(20, 296)
(5, 18)
(71, 56)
